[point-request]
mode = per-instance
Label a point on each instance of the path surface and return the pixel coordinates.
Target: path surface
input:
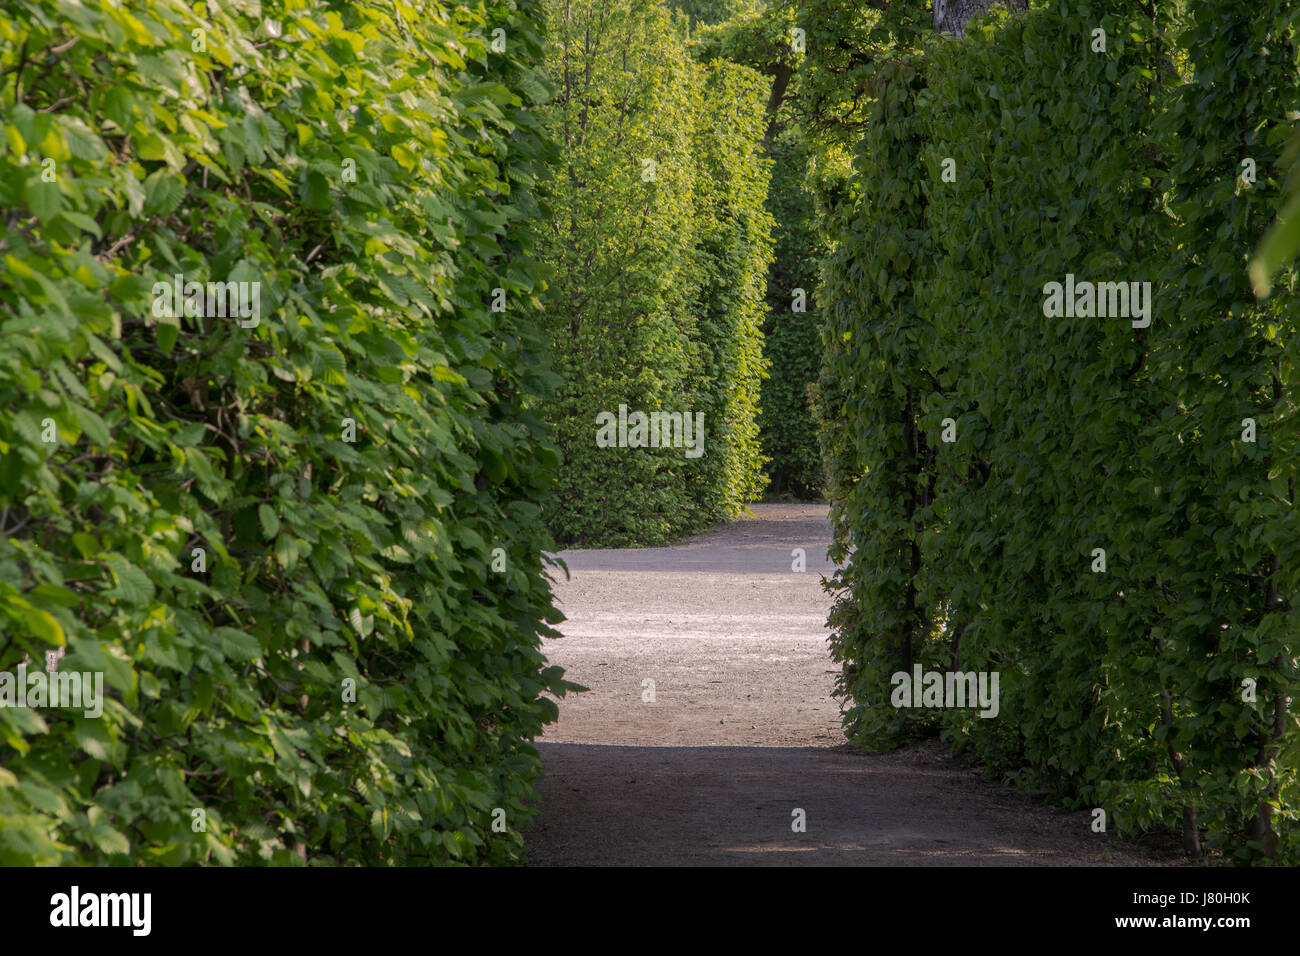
(743, 731)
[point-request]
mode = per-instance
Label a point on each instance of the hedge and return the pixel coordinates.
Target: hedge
(762, 37)
(791, 332)
(1100, 511)
(660, 243)
(275, 536)
(733, 249)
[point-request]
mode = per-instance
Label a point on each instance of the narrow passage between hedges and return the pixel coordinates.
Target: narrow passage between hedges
(743, 730)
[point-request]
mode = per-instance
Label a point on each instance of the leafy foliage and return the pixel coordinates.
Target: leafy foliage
(660, 243)
(762, 37)
(733, 249)
(792, 339)
(1281, 244)
(707, 11)
(214, 145)
(1124, 689)
(872, 374)
(848, 44)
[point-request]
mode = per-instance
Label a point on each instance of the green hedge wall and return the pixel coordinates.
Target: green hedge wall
(792, 339)
(660, 243)
(733, 248)
(274, 538)
(761, 36)
(1158, 688)
(872, 376)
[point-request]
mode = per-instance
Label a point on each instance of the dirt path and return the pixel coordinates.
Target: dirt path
(742, 730)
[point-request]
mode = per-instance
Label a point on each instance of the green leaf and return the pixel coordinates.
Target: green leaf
(131, 584)
(237, 644)
(316, 191)
(270, 523)
(82, 222)
(166, 335)
(152, 147)
(93, 737)
(40, 623)
(163, 192)
(191, 434)
(1278, 247)
(45, 200)
(93, 426)
(110, 841)
(119, 105)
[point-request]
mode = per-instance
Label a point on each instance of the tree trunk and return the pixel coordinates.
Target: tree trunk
(951, 16)
(781, 76)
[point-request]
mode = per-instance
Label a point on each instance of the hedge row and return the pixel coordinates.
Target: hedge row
(763, 37)
(661, 246)
(792, 334)
(1098, 509)
(275, 535)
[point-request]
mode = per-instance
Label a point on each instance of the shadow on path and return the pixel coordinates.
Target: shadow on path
(732, 806)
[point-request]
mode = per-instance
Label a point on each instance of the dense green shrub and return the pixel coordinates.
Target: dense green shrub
(706, 11)
(205, 528)
(1231, 576)
(1049, 408)
(763, 37)
(733, 249)
(870, 386)
(791, 332)
(620, 242)
(659, 241)
(1121, 689)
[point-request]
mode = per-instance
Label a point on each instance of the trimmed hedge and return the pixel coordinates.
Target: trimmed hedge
(792, 338)
(660, 244)
(762, 37)
(1156, 689)
(240, 524)
(733, 249)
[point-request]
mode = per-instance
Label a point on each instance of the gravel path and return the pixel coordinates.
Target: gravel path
(741, 731)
